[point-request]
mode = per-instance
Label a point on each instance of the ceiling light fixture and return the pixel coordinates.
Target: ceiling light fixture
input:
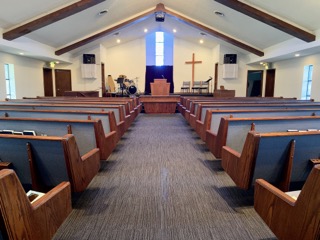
(174, 30)
(145, 30)
(220, 14)
(102, 12)
(297, 55)
(201, 41)
(118, 40)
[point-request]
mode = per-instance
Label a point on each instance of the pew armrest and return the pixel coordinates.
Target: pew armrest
(37, 220)
(286, 217)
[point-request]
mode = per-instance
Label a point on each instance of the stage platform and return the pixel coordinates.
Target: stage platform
(159, 104)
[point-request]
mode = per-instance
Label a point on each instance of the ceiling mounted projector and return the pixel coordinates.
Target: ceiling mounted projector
(159, 16)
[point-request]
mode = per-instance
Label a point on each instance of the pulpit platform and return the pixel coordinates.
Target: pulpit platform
(159, 104)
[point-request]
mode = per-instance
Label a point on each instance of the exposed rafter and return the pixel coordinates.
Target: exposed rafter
(215, 33)
(50, 18)
(159, 7)
(268, 19)
(104, 33)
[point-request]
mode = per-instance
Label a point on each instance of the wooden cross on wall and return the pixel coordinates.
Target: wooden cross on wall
(193, 62)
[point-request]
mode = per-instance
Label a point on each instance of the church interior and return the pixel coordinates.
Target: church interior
(159, 119)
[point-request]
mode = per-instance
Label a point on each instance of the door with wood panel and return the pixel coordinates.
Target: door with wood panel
(270, 80)
(48, 82)
(215, 77)
(63, 81)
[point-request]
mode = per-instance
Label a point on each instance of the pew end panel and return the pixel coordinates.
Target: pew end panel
(22, 219)
(240, 166)
(81, 169)
(290, 219)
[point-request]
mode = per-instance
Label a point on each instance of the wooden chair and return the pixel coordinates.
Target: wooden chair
(185, 86)
(21, 219)
(289, 218)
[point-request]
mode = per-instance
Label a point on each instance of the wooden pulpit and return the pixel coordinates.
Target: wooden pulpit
(160, 87)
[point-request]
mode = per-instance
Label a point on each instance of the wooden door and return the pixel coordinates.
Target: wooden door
(48, 82)
(63, 81)
(270, 80)
(215, 87)
(103, 81)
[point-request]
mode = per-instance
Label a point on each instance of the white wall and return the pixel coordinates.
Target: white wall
(28, 74)
(289, 76)
(183, 51)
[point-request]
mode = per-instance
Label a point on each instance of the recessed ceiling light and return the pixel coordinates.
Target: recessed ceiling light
(145, 30)
(102, 12)
(21, 53)
(174, 30)
(297, 55)
(118, 40)
(201, 41)
(221, 14)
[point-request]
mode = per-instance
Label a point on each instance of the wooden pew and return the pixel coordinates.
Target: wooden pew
(107, 118)
(232, 132)
(289, 218)
(42, 162)
(40, 219)
(197, 120)
(213, 117)
(133, 103)
(89, 134)
(123, 122)
(188, 108)
(281, 158)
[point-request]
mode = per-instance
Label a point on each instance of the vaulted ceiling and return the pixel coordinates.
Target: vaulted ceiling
(252, 27)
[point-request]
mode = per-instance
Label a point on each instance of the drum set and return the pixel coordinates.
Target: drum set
(126, 86)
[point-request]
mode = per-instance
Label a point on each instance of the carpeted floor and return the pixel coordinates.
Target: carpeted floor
(162, 183)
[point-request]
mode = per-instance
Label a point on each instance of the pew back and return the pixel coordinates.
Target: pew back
(273, 152)
(238, 128)
(118, 110)
(216, 115)
(87, 132)
(62, 114)
(49, 160)
(202, 109)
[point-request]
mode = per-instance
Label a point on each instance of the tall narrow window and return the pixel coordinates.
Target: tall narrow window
(159, 48)
(10, 85)
(307, 81)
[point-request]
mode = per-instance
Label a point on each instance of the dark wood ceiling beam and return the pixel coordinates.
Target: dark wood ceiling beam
(159, 7)
(104, 33)
(216, 33)
(268, 19)
(50, 18)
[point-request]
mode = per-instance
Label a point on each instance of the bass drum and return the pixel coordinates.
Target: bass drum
(132, 90)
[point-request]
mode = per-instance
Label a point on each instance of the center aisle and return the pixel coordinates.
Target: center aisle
(162, 183)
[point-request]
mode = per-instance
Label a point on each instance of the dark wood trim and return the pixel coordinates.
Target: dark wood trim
(50, 18)
(159, 7)
(104, 33)
(215, 33)
(268, 19)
